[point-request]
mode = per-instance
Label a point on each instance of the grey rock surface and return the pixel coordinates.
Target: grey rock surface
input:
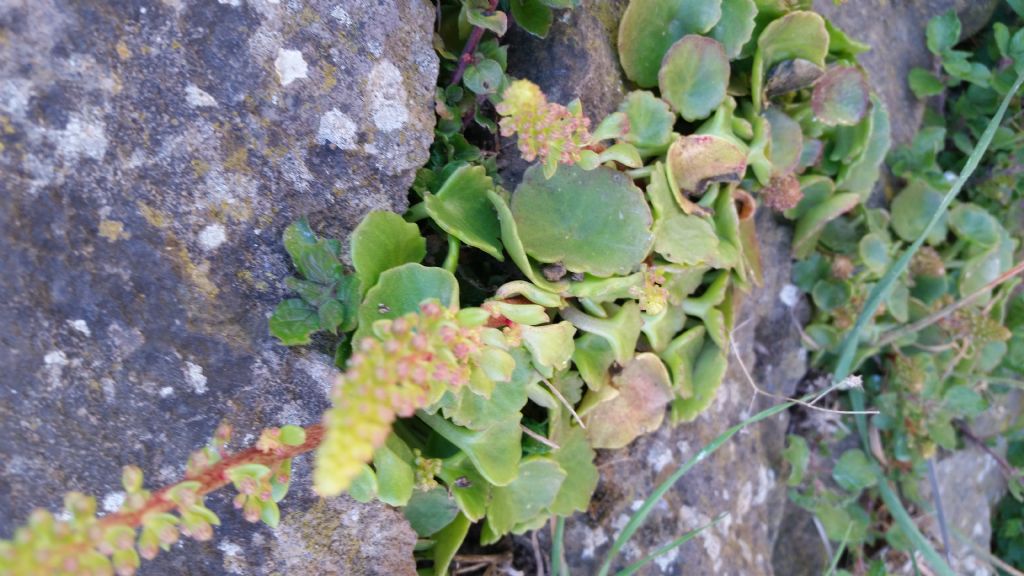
(152, 152)
(896, 31)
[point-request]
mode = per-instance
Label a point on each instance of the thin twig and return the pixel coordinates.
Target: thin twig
(759, 390)
(537, 557)
(564, 402)
(539, 438)
(1009, 471)
(467, 52)
(897, 333)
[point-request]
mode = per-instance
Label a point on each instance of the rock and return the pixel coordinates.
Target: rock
(886, 25)
(742, 479)
(799, 550)
(971, 484)
(153, 151)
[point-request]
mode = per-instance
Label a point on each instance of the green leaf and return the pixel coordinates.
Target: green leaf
(293, 321)
(364, 487)
(401, 290)
(809, 226)
(461, 208)
(861, 175)
(576, 458)
(686, 240)
(483, 77)
(644, 391)
(854, 471)
(650, 27)
(736, 27)
(470, 490)
(331, 314)
(270, 514)
(495, 452)
(533, 15)
(382, 241)
(787, 141)
(913, 208)
(550, 346)
(496, 22)
(395, 476)
(428, 512)
(508, 398)
(649, 118)
(975, 224)
(593, 221)
(514, 245)
(694, 75)
(521, 500)
(799, 34)
(708, 372)
(1018, 6)
(293, 435)
(840, 96)
(798, 456)
(621, 331)
(680, 357)
(831, 294)
(924, 84)
(447, 543)
(964, 401)
(943, 32)
(874, 252)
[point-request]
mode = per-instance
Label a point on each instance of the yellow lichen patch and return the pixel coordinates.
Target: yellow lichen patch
(5, 124)
(238, 161)
(123, 52)
(197, 274)
(113, 230)
(200, 167)
(329, 76)
(152, 215)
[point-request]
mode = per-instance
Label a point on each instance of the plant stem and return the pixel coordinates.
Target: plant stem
(897, 333)
(215, 477)
(451, 261)
(467, 53)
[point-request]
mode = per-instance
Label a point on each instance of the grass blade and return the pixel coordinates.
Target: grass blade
(632, 568)
(839, 553)
(641, 514)
(558, 568)
(878, 294)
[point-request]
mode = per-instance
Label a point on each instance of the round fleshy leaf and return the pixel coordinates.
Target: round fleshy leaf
(913, 208)
(650, 120)
(874, 252)
(736, 26)
(809, 226)
(649, 28)
(644, 390)
(800, 34)
(382, 241)
(461, 208)
(698, 160)
(841, 96)
(694, 76)
(687, 240)
(401, 290)
(787, 141)
(708, 372)
(593, 221)
(975, 224)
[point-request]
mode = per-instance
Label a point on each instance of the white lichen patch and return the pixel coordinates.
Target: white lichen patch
(667, 559)
(166, 392)
(55, 358)
(592, 540)
(112, 502)
(230, 2)
(341, 15)
(195, 378)
(338, 129)
(660, 457)
(745, 499)
(53, 367)
(693, 519)
(290, 66)
(789, 295)
(80, 326)
(211, 237)
(386, 96)
(81, 137)
(198, 98)
(765, 482)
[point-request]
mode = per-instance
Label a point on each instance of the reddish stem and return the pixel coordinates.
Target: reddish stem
(466, 58)
(215, 477)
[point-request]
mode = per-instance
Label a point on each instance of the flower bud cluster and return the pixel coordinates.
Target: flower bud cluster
(545, 129)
